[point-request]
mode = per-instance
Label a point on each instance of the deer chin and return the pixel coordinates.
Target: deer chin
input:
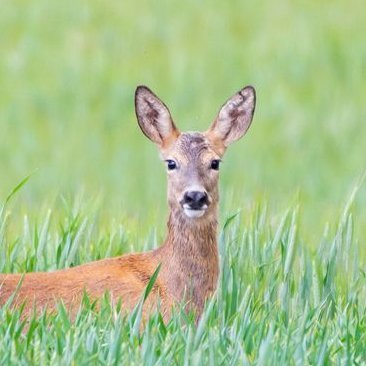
(194, 213)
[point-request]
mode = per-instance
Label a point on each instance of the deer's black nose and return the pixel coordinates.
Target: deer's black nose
(195, 199)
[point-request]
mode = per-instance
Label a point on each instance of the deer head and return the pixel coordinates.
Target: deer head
(193, 158)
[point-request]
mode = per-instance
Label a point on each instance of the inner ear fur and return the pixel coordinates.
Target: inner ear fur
(154, 118)
(233, 119)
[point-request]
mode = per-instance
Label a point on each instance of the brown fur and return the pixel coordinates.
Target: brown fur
(188, 257)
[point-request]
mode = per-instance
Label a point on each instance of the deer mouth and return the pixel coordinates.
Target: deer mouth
(195, 202)
(194, 213)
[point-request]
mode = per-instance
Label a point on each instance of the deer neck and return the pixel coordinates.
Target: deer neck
(190, 257)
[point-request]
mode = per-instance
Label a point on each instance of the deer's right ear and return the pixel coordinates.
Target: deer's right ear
(154, 118)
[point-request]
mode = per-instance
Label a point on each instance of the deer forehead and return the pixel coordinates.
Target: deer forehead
(191, 147)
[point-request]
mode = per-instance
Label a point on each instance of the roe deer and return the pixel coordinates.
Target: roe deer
(189, 256)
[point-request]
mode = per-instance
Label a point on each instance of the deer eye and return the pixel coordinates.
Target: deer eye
(171, 164)
(215, 164)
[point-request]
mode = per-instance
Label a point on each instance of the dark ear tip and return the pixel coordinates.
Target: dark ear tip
(142, 89)
(250, 89)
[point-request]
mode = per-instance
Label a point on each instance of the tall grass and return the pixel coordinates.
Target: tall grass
(277, 302)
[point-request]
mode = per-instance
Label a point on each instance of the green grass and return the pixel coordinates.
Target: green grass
(293, 259)
(277, 302)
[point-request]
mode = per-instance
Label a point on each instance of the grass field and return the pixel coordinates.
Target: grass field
(292, 290)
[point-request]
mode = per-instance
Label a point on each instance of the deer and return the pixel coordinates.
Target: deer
(188, 259)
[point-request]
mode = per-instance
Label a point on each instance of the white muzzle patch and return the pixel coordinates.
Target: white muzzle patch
(194, 214)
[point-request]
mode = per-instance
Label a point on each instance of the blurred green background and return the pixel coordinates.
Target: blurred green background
(68, 72)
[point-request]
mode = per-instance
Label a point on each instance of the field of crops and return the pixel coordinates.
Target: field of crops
(292, 289)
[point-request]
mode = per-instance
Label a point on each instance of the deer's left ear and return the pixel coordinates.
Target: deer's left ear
(234, 118)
